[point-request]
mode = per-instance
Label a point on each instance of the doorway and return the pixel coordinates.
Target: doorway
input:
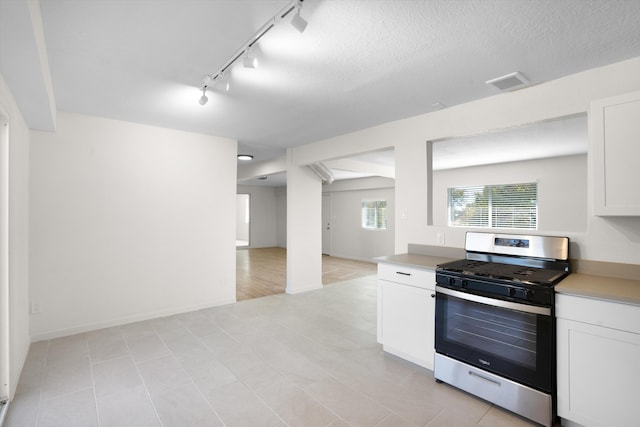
(243, 220)
(326, 224)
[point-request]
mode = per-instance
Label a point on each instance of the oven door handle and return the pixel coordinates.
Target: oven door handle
(534, 309)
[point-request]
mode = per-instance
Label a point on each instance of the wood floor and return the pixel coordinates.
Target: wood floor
(263, 271)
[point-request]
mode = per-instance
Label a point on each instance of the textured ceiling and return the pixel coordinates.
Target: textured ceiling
(359, 63)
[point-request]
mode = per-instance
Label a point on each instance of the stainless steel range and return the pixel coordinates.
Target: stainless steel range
(495, 321)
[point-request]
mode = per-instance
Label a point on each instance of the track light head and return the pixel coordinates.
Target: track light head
(249, 61)
(203, 99)
(223, 82)
(298, 22)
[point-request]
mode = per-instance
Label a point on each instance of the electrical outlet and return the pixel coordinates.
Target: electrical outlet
(440, 238)
(36, 308)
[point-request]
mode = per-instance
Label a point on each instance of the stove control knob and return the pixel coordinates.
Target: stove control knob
(512, 292)
(527, 294)
(464, 283)
(452, 281)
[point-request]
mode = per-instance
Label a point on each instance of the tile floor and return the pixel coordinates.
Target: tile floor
(286, 360)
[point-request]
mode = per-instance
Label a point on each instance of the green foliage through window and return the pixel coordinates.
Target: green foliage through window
(374, 215)
(494, 206)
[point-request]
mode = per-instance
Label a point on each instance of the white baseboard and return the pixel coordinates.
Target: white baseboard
(568, 423)
(15, 375)
(47, 335)
(4, 407)
(299, 290)
(352, 258)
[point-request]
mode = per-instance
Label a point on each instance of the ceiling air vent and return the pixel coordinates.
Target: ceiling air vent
(508, 82)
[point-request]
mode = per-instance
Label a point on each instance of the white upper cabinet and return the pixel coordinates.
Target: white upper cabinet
(615, 155)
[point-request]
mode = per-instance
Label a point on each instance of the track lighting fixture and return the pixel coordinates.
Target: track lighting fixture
(203, 99)
(249, 61)
(244, 52)
(298, 22)
(225, 85)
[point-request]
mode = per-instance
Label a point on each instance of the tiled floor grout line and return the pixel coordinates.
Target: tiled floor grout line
(43, 377)
(190, 377)
(146, 389)
(93, 383)
(278, 370)
(332, 376)
(239, 380)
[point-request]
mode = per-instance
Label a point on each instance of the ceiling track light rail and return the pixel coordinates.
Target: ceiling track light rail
(300, 24)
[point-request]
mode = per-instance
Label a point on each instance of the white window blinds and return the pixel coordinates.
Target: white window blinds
(494, 206)
(374, 215)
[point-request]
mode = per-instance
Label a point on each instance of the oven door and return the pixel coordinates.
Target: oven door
(513, 340)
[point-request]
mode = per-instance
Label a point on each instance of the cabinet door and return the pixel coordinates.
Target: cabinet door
(615, 132)
(406, 322)
(598, 374)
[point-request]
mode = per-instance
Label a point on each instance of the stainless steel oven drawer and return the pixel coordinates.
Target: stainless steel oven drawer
(523, 400)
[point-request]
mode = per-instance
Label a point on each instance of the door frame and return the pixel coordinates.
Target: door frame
(5, 295)
(327, 213)
(248, 219)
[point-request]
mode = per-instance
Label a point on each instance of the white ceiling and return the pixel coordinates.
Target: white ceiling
(358, 64)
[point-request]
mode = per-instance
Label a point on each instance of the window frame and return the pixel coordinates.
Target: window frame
(488, 201)
(381, 224)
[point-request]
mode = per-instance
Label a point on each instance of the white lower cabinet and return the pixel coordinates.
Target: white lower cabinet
(406, 312)
(598, 362)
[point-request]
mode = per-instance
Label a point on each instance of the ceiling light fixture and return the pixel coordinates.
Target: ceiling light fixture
(203, 99)
(297, 21)
(245, 157)
(225, 84)
(249, 60)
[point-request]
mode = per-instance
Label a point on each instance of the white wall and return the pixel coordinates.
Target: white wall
(126, 223)
(348, 238)
(281, 216)
(606, 239)
(242, 213)
(18, 229)
(304, 221)
(263, 226)
(562, 189)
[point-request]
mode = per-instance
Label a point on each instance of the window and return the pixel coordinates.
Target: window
(374, 215)
(494, 206)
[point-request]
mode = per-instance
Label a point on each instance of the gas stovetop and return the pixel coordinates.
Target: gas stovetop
(504, 272)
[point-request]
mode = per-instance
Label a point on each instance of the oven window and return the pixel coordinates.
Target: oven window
(504, 333)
